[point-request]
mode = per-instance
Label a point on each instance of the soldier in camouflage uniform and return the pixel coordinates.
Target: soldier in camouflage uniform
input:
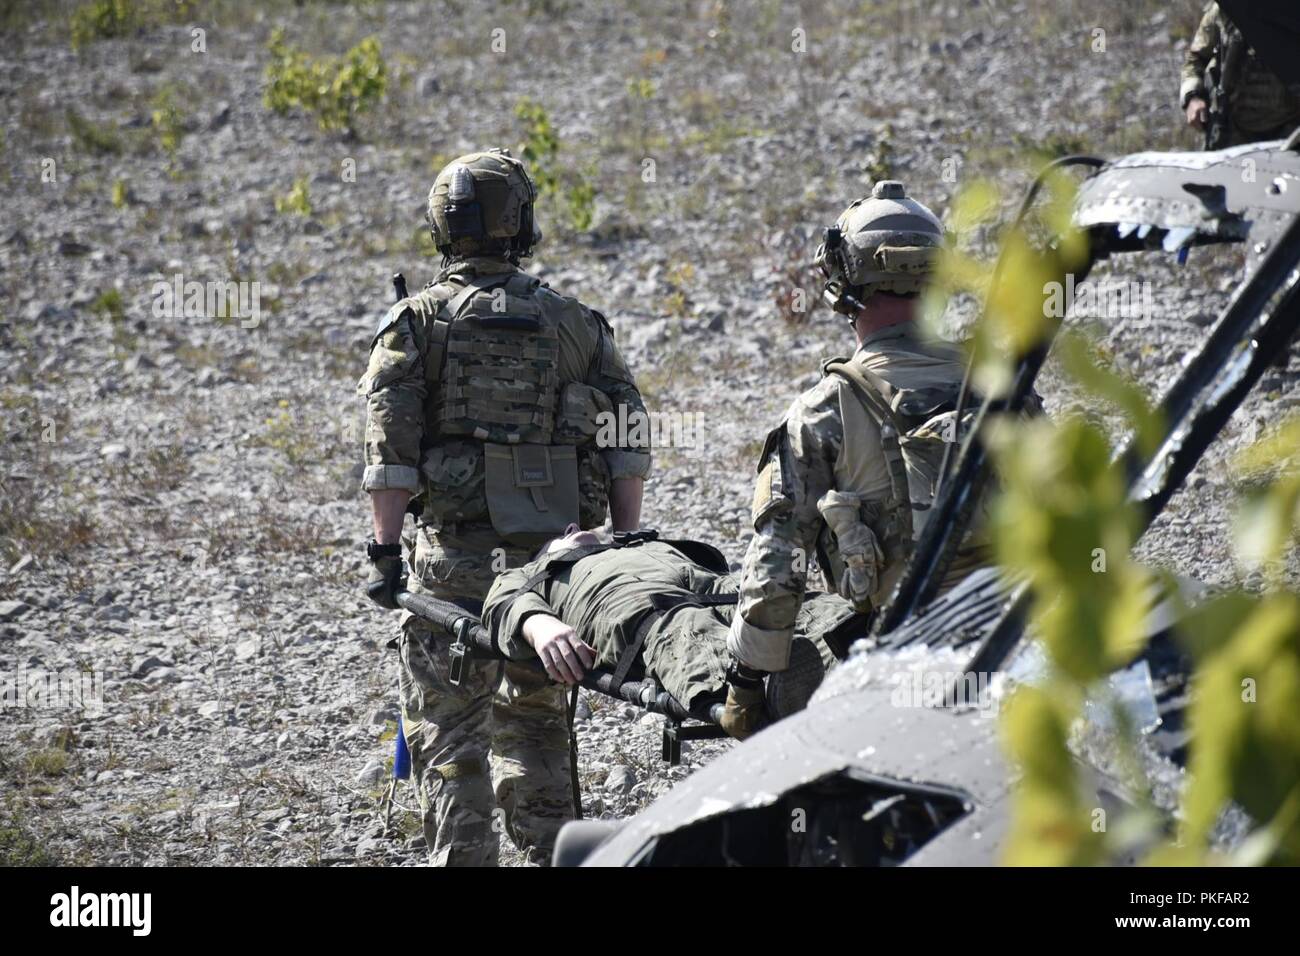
(1260, 105)
(857, 455)
(650, 607)
(484, 394)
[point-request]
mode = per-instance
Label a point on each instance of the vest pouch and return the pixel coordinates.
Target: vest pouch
(582, 414)
(532, 491)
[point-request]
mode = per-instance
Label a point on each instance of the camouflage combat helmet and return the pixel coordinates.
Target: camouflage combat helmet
(886, 242)
(482, 204)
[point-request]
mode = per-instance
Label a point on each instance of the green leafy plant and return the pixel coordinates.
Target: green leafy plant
(336, 90)
(1063, 524)
(109, 19)
(541, 145)
(168, 122)
(101, 20)
(92, 137)
(573, 190)
(681, 279)
(109, 305)
(297, 201)
(580, 203)
(641, 88)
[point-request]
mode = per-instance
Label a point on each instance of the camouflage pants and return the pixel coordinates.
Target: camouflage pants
(491, 755)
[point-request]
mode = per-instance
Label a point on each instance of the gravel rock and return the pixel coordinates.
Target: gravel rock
(115, 452)
(620, 780)
(372, 774)
(12, 610)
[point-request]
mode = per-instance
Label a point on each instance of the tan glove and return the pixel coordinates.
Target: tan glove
(745, 711)
(858, 547)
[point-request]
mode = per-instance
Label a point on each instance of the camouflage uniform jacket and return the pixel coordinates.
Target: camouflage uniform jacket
(827, 442)
(1258, 100)
(402, 446)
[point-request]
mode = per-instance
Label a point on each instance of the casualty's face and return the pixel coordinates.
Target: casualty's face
(574, 537)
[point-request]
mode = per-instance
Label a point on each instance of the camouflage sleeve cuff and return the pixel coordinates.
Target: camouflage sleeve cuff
(384, 477)
(627, 464)
(764, 650)
(1191, 87)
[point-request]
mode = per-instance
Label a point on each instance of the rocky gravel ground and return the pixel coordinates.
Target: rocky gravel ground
(180, 511)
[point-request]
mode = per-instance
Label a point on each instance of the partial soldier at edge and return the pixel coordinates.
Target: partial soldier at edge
(1228, 92)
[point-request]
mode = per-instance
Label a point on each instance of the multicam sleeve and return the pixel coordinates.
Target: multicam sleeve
(394, 388)
(796, 468)
(608, 372)
(1199, 53)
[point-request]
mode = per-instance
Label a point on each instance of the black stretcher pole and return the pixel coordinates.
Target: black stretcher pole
(475, 641)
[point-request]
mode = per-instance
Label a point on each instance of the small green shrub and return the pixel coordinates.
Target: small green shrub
(109, 305)
(108, 19)
(335, 90)
(541, 144)
(580, 203)
(168, 122)
(20, 843)
(297, 201)
(571, 189)
(102, 20)
(92, 137)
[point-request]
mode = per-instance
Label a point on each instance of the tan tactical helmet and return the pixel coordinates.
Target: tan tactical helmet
(886, 242)
(482, 204)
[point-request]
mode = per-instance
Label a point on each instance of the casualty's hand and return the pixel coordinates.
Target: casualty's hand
(565, 656)
(1198, 112)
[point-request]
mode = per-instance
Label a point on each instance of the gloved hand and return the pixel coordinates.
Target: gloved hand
(858, 547)
(386, 575)
(745, 711)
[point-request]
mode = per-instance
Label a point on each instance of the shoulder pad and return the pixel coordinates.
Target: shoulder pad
(770, 445)
(770, 491)
(389, 319)
(600, 317)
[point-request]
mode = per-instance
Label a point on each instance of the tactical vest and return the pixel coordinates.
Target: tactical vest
(493, 403)
(1258, 99)
(916, 427)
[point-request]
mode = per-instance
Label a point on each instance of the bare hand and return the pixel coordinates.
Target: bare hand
(1198, 113)
(564, 655)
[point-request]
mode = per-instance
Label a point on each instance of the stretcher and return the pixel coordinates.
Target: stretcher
(472, 641)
